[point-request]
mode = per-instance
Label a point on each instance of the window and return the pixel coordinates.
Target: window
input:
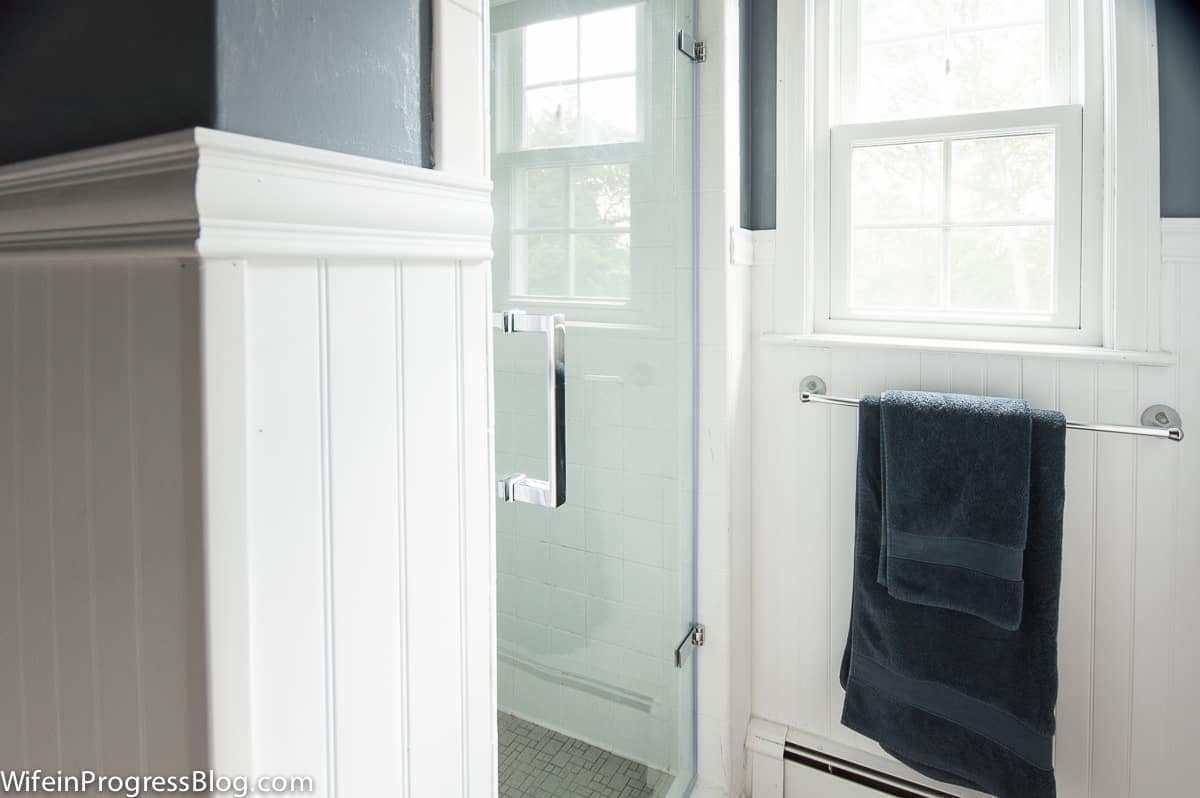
(951, 158)
(570, 129)
(572, 232)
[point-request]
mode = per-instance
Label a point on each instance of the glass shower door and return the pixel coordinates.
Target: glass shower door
(593, 163)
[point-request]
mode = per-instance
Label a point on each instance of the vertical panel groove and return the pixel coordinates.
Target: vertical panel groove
(402, 523)
(326, 526)
(135, 525)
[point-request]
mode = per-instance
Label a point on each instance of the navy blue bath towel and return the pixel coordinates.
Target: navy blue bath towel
(955, 501)
(948, 693)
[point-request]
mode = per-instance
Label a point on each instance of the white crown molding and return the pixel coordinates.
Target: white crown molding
(1181, 240)
(211, 193)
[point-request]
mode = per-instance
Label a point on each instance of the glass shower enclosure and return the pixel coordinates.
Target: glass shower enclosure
(594, 350)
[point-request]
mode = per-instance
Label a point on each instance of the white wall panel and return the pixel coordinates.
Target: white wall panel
(1127, 635)
(369, 467)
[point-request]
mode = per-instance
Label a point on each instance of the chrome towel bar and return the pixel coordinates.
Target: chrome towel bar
(1160, 421)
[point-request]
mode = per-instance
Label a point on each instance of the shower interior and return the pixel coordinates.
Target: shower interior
(592, 108)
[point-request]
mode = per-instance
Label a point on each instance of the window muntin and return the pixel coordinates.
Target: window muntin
(572, 232)
(954, 182)
(579, 80)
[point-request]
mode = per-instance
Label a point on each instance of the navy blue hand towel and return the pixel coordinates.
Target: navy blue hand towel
(950, 694)
(955, 501)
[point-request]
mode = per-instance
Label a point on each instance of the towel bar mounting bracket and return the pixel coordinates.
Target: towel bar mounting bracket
(814, 385)
(1163, 416)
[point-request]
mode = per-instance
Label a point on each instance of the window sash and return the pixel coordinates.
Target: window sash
(512, 88)
(833, 311)
(1061, 88)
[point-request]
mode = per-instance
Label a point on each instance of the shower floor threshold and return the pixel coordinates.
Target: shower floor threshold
(536, 762)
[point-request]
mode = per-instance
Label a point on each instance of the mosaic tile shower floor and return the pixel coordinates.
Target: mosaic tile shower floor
(538, 763)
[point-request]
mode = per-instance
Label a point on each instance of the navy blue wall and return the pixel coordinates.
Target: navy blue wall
(1179, 106)
(346, 76)
(1179, 109)
(77, 74)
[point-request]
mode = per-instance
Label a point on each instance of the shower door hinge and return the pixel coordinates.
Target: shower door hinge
(695, 50)
(693, 639)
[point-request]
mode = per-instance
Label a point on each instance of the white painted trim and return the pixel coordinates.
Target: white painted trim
(1181, 240)
(741, 247)
(949, 345)
(221, 194)
(764, 247)
(461, 140)
(1130, 168)
(764, 749)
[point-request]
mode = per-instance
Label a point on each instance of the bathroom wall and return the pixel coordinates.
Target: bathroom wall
(76, 75)
(1129, 636)
(352, 78)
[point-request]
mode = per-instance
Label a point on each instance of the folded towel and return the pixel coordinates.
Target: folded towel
(955, 501)
(948, 693)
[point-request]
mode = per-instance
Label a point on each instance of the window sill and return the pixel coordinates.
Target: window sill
(1054, 351)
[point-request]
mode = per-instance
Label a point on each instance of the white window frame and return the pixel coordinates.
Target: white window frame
(1118, 245)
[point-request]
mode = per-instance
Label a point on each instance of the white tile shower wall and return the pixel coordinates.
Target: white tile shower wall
(1127, 639)
(589, 594)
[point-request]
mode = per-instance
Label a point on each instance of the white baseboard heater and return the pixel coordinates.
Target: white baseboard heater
(878, 781)
(793, 763)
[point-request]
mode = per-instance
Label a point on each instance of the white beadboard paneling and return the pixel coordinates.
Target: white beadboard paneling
(110, 459)
(223, 395)
(1116, 475)
(162, 351)
(1154, 581)
(479, 507)
(1184, 725)
(1127, 636)
(287, 543)
(362, 438)
(372, 559)
(433, 518)
(12, 727)
(73, 549)
(1073, 742)
(35, 533)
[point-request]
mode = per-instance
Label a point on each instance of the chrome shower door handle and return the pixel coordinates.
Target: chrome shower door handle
(552, 491)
